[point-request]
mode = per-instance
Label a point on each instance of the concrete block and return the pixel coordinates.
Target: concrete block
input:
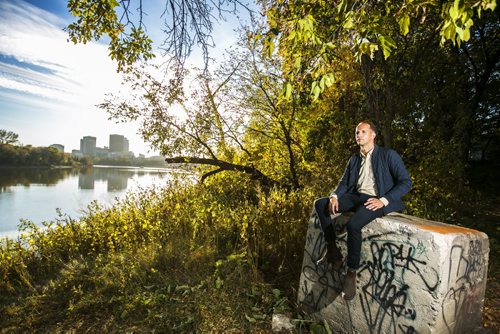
(416, 276)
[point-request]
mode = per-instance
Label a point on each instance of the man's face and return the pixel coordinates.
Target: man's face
(364, 135)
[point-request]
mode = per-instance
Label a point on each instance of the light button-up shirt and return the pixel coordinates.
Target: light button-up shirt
(366, 180)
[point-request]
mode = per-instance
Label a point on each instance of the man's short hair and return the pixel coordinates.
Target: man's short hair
(371, 124)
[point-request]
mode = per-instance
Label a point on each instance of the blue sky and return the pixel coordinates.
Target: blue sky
(49, 87)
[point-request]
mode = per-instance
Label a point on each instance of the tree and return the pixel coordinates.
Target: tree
(195, 131)
(8, 137)
(432, 104)
(186, 23)
(272, 132)
(306, 34)
(309, 35)
(232, 120)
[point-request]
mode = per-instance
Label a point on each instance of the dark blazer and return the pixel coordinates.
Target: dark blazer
(391, 178)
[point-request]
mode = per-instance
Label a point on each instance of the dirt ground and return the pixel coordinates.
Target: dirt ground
(491, 309)
(489, 222)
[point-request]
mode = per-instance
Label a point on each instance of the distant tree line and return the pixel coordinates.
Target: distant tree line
(125, 161)
(18, 155)
(11, 155)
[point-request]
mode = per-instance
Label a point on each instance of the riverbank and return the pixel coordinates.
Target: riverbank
(37, 194)
(173, 166)
(157, 261)
(41, 167)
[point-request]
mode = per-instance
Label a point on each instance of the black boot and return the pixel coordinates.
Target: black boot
(350, 284)
(331, 254)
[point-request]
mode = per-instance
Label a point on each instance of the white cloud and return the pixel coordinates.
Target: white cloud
(34, 36)
(36, 83)
(60, 80)
(16, 10)
(64, 81)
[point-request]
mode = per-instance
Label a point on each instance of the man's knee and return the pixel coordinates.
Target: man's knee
(361, 218)
(320, 204)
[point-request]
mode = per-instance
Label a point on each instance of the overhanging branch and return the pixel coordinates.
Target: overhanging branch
(225, 166)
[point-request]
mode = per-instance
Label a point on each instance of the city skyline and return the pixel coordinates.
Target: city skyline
(118, 147)
(69, 149)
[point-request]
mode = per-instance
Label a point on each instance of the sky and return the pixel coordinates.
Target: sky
(49, 88)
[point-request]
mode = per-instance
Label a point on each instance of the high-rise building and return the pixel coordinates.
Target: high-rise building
(118, 144)
(101, 152)
(76, 154)
(88, 145)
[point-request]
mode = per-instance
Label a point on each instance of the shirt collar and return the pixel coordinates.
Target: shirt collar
(368, 154)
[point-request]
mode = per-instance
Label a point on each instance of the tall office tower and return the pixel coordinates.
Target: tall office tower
(87, 145)
(125, 145)
(118, 144)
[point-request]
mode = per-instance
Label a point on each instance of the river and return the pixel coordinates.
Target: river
(36, 193)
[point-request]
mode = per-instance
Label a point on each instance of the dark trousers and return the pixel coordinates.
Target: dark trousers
(361, 217)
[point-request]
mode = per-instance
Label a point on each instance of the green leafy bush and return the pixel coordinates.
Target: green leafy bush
(157, 260)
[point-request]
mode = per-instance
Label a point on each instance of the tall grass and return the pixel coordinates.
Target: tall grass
(222, 256)
(210, 257)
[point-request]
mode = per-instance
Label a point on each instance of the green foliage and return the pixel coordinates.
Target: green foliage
(11, 155)
(156, 260)
(311, 35)
(96, 18)
(458, 19)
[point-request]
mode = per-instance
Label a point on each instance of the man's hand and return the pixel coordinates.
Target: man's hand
(334, 205)
(373, 204)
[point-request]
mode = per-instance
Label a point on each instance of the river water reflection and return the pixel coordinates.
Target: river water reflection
(35, 194)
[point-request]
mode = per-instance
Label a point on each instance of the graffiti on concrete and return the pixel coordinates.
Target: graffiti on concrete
(399, 279)
(407, 329)
(466, 268)
(403, 255)
(385, 297)
(321, 284)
